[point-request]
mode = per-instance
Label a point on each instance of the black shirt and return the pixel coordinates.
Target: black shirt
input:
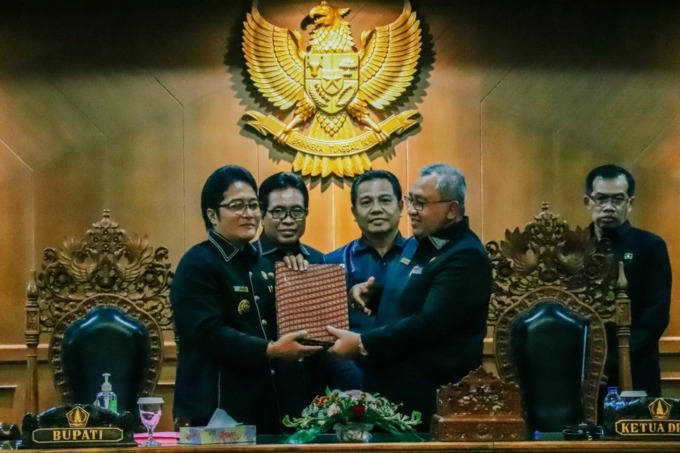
(432, 320)
(648, 271)
(224, 313)
(299, 382)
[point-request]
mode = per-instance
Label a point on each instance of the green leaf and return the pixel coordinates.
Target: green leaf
(409, 436)
(303, 436)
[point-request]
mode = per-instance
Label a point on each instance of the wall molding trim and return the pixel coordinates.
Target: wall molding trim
(16, 353)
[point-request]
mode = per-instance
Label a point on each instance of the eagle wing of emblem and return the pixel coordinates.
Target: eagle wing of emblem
(389, 59)
(276, 64)
(387, 62)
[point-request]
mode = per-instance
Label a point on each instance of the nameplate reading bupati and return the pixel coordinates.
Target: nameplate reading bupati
(56, 435)
(73, 426)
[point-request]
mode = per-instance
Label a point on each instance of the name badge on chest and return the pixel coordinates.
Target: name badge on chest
(240, 289)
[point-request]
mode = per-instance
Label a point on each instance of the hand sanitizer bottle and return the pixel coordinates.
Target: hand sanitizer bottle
(106, 398)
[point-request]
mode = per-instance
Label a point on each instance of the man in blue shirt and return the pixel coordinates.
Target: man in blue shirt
(377, 207)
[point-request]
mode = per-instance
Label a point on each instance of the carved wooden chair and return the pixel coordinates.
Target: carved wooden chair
(104, 299)
(554, 290)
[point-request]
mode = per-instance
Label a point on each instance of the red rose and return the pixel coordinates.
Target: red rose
(358, 411)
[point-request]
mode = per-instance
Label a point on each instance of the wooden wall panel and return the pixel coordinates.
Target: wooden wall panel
(7, 400)
(16, 241)
(11, 393)
(98, 109)
(514, 189)
(69, 196)
(148, 181)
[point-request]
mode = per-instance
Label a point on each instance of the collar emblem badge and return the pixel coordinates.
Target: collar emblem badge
(243, 307)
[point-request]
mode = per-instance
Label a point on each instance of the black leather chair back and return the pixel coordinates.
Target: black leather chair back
(106, 340)
(549, 344)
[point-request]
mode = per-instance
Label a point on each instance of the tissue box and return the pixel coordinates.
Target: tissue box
(195, 435)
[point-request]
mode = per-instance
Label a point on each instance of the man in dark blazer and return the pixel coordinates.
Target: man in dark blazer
(609, 197)
(432, 319)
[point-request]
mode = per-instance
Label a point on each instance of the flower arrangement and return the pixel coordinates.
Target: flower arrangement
(341, 407)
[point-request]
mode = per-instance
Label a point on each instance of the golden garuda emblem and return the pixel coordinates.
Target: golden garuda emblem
(332, 84)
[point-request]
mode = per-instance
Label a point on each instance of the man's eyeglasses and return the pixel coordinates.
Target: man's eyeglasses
(239, 206)
(295, 213)
(419, 205)
(617, 200)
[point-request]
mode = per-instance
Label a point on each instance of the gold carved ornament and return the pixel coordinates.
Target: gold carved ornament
(332, 84)
(107, 262)
(547, 253)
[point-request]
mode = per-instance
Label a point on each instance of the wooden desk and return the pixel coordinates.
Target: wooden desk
(422, 447)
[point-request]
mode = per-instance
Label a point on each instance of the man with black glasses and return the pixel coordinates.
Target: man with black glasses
(431, 323)
(609, 197)
(285, 202)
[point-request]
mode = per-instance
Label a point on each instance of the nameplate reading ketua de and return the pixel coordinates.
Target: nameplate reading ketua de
(646, 417)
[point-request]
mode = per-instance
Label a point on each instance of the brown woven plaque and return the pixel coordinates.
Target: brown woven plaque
(311, 300)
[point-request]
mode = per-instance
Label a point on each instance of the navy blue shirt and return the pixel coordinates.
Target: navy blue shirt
(362, 261)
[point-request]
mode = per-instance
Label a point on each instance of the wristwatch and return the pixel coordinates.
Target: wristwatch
(362, 350)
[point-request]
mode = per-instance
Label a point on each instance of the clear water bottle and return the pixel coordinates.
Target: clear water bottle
(612, 401)
(107, 398)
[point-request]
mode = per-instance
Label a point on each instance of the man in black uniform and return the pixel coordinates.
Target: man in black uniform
(609, 196)
(284, 200)
(224, 315)
(432, 317)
